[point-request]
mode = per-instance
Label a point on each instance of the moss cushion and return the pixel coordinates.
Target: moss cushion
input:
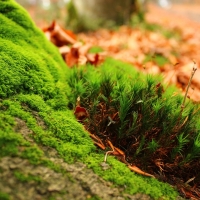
(28, 62)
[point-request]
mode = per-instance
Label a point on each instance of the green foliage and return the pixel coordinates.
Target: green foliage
(9, 140)
(182, 141)
(63, 133)
(153, 146)
(138, 114)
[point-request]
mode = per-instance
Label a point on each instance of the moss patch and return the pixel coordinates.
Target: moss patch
(26, 177)
(4, 196)
(29, 63)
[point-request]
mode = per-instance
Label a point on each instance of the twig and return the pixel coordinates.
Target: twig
(78, 100)
(189, 83)
(110, 121)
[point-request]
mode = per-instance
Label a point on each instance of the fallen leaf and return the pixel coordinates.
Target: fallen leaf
(58, 35)
(80, 113)
(139, 171)
(72, 57)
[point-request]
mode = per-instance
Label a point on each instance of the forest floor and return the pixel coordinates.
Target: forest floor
(173, 55)
(172, 50)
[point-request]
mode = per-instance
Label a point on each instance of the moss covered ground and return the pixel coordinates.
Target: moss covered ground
(34, 88)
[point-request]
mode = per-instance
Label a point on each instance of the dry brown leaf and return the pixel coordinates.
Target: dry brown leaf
(72, 57)
(58, 35)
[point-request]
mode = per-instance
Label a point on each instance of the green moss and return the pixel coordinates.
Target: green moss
(36, 88)
(34, 154)
(4, 196)
(9, 140)
(121, 176)
(29, 64)
(27, 177)
(73, 144)
(67, 136)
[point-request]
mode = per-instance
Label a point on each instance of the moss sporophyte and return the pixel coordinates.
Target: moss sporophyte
(135, 112)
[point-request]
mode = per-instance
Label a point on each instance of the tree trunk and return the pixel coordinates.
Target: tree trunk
(105, 12)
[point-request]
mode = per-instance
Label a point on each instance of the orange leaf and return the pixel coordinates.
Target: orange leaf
(72, 57)
(93, 58)
(58, 35)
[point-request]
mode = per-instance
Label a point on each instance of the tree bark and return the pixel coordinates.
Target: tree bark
(103, 11)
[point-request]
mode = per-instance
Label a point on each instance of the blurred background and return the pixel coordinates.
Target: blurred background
(161, 33)
(91, 14)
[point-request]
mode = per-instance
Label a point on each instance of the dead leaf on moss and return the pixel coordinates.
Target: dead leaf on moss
(80, 112)
(72, 51)
(58, 35)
